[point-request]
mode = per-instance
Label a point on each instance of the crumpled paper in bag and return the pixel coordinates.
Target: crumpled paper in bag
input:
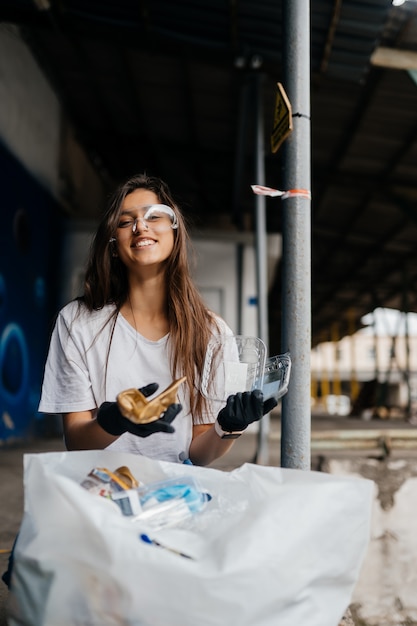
(274, 547)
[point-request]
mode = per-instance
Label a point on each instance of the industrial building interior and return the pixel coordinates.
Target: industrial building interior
(170, 88)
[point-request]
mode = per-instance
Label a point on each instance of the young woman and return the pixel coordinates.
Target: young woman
(141, 324)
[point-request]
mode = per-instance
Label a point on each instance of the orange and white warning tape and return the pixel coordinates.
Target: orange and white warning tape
(259, 190)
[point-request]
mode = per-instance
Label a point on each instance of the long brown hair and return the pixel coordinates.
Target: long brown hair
(106, 281)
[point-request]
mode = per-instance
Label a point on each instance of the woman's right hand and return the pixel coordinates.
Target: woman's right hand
(113, 422)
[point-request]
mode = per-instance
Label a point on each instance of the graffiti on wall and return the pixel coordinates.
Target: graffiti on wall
(29, 255)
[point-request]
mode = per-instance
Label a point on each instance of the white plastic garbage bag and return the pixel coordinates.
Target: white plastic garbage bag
(273, 547)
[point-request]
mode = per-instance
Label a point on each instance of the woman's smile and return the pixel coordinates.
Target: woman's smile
(143, 243)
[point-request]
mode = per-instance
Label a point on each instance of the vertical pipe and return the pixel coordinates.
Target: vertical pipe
(407, 364)
(325, 384)
(315, 379)
(262, 453)
(354, 387)
(337, 385)
(296, 305)
(239, 272)
(242, 125)
(377, 370)
(405, 308)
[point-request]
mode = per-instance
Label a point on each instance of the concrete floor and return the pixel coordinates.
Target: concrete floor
(328, 433)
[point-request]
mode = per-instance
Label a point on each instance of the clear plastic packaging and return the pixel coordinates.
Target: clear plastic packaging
(170, 502)
(234, 363)
(276, 376)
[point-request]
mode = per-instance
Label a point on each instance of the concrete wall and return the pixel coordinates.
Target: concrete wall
(29, 111)
(35, 129)
(216, 275)
(386, 591)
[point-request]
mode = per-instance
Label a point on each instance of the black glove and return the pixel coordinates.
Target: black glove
(113, 422)
(244, 408)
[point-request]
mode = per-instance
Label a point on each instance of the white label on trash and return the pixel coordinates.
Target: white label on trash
(235, 376)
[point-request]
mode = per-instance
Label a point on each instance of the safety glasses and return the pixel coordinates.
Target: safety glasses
(156, 217)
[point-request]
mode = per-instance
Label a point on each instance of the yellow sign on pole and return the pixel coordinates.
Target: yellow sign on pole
(282, 119)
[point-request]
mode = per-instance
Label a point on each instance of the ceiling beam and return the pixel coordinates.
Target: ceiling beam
(334, 22)
(395, 59)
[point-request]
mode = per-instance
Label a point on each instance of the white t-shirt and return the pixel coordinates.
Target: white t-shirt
(76, 377)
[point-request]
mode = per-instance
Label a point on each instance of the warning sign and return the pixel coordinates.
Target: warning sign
(282, 119)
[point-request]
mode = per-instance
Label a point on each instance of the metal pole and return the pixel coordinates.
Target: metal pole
(405, 309)
(262, 453)
(243, 116)
(296, 279)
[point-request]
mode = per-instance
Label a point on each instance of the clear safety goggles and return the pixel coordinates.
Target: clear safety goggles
(156, 217)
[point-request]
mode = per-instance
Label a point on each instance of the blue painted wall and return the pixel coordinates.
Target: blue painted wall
(30, 244)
